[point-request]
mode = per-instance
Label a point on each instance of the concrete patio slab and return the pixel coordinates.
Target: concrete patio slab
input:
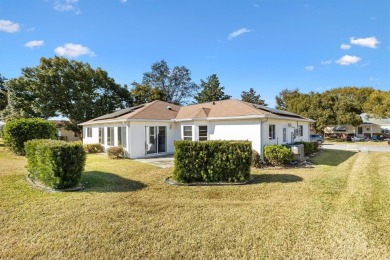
(162, 162)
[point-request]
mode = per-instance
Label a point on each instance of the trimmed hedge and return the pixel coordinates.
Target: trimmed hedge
(115, 152)
(212, 161)
(57, 164)
(278, 155)
(16, 132)
(308, 147)
(93, 148)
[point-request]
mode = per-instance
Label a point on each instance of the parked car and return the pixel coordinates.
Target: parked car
(357, 139)
(316, 138)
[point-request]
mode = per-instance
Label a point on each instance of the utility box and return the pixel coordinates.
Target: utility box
(297, 150)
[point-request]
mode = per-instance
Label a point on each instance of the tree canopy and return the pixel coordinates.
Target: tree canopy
(58, 86)
(251, 97)
(175, 84)
(336, 106)
(211, 90)
(3, 93)
(143, 93)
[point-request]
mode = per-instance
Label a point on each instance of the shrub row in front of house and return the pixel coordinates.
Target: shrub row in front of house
(309, 147)
(212, 161)
(16, 132)
(57, 164)
(278, 155)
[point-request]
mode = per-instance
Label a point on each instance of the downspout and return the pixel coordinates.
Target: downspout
(261, 139)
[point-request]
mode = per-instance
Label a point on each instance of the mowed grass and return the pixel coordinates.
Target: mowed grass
(338, 210)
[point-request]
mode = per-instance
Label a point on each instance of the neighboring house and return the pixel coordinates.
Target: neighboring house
(152, 128)
(62, 133)
(369, 127)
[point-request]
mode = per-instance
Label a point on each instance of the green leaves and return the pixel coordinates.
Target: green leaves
(251, 97)
(18, 131)
(57, 164)
(211, 90)
(212, 161)
(277, 155)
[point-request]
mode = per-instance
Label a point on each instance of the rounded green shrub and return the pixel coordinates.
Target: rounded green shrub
(16, 132)
(278, 155)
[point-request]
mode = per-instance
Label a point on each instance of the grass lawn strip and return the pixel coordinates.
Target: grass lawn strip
(340, 209)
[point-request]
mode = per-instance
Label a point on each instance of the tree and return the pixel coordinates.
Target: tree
(58, 86)
(3, 93)
(211, 90)
(251, 97)
(175, 85)
(378, 104)
(143, 93)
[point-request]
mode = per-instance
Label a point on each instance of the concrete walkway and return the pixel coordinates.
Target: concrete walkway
(162, 162)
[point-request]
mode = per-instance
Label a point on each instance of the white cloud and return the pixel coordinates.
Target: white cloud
(237, 33)
(326, 62)
(348, 60)
(345, 46)
(72, 50)
(8, 26)
(66, 5)
(309, 68)
(32, 44)
(370, 42)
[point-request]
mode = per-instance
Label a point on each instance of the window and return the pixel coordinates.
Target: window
(271, 131)
(360, 130)
(187, 133)
(89, 132)
(203, 133)
(101, 135)
(284, 134)
(110, 136)
(300, 130)
(122, 141)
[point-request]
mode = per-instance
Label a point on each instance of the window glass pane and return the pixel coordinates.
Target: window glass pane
(101, 135)
(123, 137)
(187, 132)
(271, 131)
(203, 133)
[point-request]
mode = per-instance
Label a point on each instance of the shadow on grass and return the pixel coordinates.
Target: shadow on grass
(96, 181)
(270, 178)
(332, 157)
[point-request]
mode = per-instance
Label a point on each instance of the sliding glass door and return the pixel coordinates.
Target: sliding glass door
(155, 137)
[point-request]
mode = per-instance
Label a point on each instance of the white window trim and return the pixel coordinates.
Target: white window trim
(192, 132)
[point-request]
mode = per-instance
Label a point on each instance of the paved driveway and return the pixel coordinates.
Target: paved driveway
(370, 148)
(162, 162)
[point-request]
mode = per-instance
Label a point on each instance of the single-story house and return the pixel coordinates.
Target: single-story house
(151, 129)
(370, 126)
(62, 133)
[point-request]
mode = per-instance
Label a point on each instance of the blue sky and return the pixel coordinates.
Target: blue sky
(269, 45)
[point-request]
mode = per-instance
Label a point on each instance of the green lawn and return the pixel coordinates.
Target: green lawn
(338, 210)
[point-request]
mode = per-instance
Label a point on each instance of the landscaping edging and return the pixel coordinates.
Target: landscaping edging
(172, 182)
(39, 186)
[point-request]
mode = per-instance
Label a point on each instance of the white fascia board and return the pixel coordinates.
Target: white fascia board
(124, 121)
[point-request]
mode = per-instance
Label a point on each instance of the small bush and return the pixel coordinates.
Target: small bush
(57, 164)
(16, 132)
(316, 146)
(212, 161)
(277, 155)
(256, 159)
(115, 152)
(93, 148)
(308, 147)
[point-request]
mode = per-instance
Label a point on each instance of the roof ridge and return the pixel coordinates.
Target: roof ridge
(145, 105)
